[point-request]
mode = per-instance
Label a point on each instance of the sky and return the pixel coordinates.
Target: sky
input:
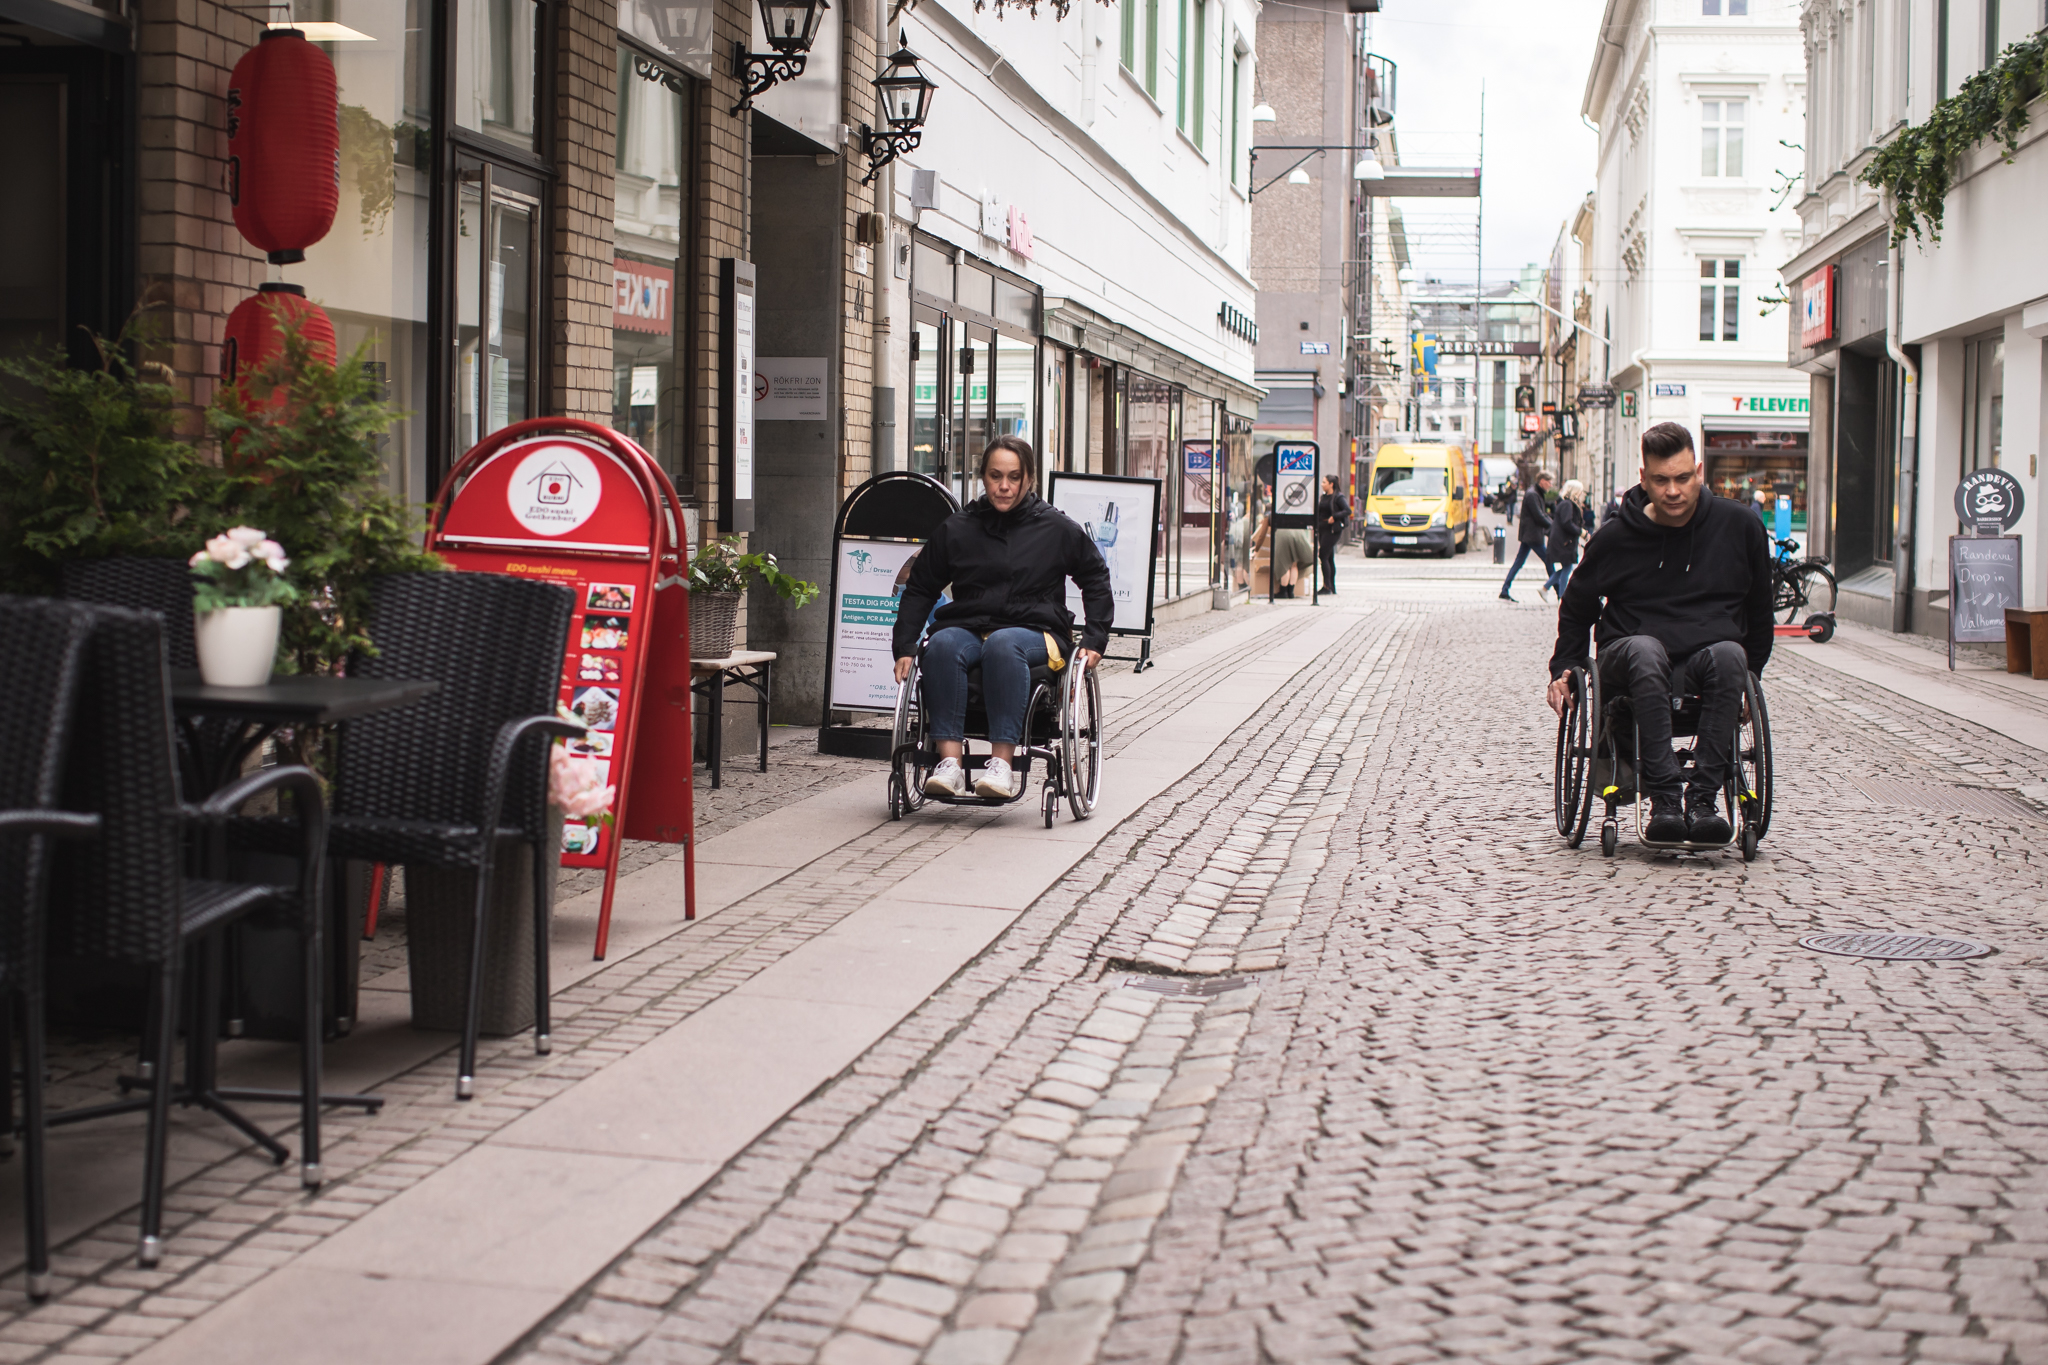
(1532, 56)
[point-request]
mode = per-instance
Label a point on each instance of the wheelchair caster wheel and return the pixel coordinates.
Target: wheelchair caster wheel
(896, 802)
(1748, 844)
(1610, 839)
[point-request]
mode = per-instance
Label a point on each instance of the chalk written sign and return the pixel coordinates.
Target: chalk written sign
(1984, 579)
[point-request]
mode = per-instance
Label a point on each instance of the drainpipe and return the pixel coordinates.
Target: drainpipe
(1909, 457)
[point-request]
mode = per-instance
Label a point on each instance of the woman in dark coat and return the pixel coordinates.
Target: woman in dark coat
(1007, 557)
(1567, 529)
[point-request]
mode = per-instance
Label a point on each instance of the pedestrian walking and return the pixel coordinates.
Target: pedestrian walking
(1613, 509)
(1333, 514)
(1567, 530)
(1533, 531)
(1759, 503)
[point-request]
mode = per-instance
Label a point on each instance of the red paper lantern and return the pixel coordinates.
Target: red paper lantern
(255, 336)
(284, 145)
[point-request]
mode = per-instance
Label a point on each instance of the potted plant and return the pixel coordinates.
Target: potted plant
(719, 572)
(238, 606)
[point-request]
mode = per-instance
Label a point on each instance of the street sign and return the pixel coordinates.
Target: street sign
(1628, 402)
(1531, 424)
(1667, 390)
(1294, 484)
(1525, 398)
(1596, 395)
(1502, 348)
(1989, 501)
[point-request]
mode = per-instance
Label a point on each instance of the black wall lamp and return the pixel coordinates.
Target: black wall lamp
(906, 94)
(792, 26)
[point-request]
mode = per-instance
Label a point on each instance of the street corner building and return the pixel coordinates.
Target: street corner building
(686, 220)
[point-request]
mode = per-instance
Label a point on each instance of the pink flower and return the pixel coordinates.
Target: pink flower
(573, 785)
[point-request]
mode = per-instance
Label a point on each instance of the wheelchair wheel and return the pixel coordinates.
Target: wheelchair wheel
(1572, 781)
(1081, 742)
(908, 748)
(1610, 838)
(1753, 760)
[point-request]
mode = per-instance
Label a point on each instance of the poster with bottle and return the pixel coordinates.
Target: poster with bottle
(1121, 515)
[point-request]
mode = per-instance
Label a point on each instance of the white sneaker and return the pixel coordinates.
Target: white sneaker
(996, 780)
(948, 779)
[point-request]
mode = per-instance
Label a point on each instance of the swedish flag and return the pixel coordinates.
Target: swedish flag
(1424, 346)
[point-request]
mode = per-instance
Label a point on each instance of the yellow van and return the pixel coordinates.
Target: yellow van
(1421, 499)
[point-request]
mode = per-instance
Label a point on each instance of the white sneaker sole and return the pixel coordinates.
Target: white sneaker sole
(939, 786)
(990, 790)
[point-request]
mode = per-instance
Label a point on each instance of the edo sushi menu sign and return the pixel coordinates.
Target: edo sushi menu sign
(592, 513)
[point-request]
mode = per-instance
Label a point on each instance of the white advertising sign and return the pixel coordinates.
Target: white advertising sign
(871, 578)
(791, 388)
(1120, 516)
(743, 397)
(554, 490)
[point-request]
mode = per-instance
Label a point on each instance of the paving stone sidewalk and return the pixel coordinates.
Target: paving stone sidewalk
(1458, 1093)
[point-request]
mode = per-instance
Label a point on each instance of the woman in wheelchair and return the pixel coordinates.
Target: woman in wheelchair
(1008, 556)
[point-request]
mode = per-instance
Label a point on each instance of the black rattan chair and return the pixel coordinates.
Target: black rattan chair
(163, 586)
(125, 897)
(41, 646)
(444, 783)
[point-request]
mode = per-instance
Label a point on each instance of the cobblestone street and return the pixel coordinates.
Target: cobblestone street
(1325, 1049)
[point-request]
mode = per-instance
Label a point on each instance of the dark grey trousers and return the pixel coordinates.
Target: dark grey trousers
(1639, 666)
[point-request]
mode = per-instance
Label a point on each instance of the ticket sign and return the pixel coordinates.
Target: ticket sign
(588, 509)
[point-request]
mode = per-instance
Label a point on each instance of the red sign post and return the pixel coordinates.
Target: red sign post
(576, 503)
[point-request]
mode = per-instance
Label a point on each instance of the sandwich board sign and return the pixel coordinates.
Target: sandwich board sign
(1984, 579)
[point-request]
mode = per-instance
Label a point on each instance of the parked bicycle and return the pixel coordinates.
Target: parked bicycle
(1800, 587)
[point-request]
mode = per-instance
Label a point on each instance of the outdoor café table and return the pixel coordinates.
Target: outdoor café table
(751, 668)
(220, 727)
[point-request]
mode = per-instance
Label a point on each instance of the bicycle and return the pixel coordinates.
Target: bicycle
(1800, 587)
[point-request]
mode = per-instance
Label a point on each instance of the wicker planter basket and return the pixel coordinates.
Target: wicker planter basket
(714, 617)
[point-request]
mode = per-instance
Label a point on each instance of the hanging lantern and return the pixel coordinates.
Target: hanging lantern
(255, 336)
(284, 145)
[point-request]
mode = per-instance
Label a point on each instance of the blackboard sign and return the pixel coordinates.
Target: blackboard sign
(1984, 579)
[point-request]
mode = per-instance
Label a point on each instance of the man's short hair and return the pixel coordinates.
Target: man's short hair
(1665, 440)
(1543, 474)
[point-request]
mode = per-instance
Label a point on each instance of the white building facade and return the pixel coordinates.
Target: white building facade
(1930, 356)
(1694, 100)
(1067, 259)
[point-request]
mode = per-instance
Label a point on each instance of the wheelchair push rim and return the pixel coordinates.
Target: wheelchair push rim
(908, 746)
(1572, 775)
(1752, 775)
(1081, 741)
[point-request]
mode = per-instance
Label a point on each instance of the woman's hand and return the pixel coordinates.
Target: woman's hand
(1090, 659)
(903, 667)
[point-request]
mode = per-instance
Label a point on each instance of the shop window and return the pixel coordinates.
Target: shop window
(680, 30)
(1741, 462)
(1016, 391)
(647, 220)
(496, 45)
(1983, 402)
(924, 398)
(931, 270)
(1017, 305)
(370, 272)
(495, 286)
(974, 288)
(1720, 299)
(1721, 125)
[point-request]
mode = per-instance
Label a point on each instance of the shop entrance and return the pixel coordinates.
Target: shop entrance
(1741, 461)
(974, 363)
(497, 280)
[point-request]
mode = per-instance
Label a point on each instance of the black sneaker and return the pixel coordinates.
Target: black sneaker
(1667, 820)
(1703, 816)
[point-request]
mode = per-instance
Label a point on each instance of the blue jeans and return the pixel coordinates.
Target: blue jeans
(1542, 552)
(1559, 577)
(1006, 657)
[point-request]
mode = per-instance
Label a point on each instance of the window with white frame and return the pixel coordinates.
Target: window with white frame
(1734, 9)
(1721, 125)
(1721, 298)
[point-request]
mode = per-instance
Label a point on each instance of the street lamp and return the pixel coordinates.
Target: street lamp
(1263, 113)
(792, 26)
(906, 94)
(1299, 176)
(1369, 168)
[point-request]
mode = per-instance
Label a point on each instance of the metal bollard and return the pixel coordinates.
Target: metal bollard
(1500, 544)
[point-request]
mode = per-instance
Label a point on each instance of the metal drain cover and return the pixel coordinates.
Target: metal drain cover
(1183, 985)
(1897, 947)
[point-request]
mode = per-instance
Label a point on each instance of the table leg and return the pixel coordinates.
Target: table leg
(715, 744)
(766, 685)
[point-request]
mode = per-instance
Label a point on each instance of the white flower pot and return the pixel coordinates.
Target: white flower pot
(237, 645)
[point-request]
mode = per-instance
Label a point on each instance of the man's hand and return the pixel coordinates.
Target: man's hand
(1560, 692)
(903, 667)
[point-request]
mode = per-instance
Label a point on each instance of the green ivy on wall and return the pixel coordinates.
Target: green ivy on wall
(1917, 167)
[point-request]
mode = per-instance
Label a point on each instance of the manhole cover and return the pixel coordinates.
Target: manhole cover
(1183, 985)
(1896, 947)
(1946, 797)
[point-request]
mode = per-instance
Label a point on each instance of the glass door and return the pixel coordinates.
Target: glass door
(929, 436)
(973, 384)
(497, 280)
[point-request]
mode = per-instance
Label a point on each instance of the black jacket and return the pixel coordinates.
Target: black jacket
(1567, 521)
(1008, 569)
(1688, 586)
(1333, 514)
(1535, 523)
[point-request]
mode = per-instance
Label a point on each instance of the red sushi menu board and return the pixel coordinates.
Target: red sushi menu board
(578, 504)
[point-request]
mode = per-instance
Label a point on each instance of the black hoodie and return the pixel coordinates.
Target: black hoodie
(1688, 586)
(1008, 569)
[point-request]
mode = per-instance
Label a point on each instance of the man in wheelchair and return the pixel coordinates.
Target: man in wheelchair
(1008, 556)
(1677, 591)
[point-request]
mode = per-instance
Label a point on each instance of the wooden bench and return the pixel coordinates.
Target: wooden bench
(2022, 629)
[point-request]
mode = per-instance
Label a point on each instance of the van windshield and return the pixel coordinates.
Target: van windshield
(1403, 482)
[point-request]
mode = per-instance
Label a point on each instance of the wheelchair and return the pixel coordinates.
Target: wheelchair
(1598, 756)
(1062, 730)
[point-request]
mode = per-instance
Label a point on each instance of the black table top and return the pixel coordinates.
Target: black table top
(296, 699)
